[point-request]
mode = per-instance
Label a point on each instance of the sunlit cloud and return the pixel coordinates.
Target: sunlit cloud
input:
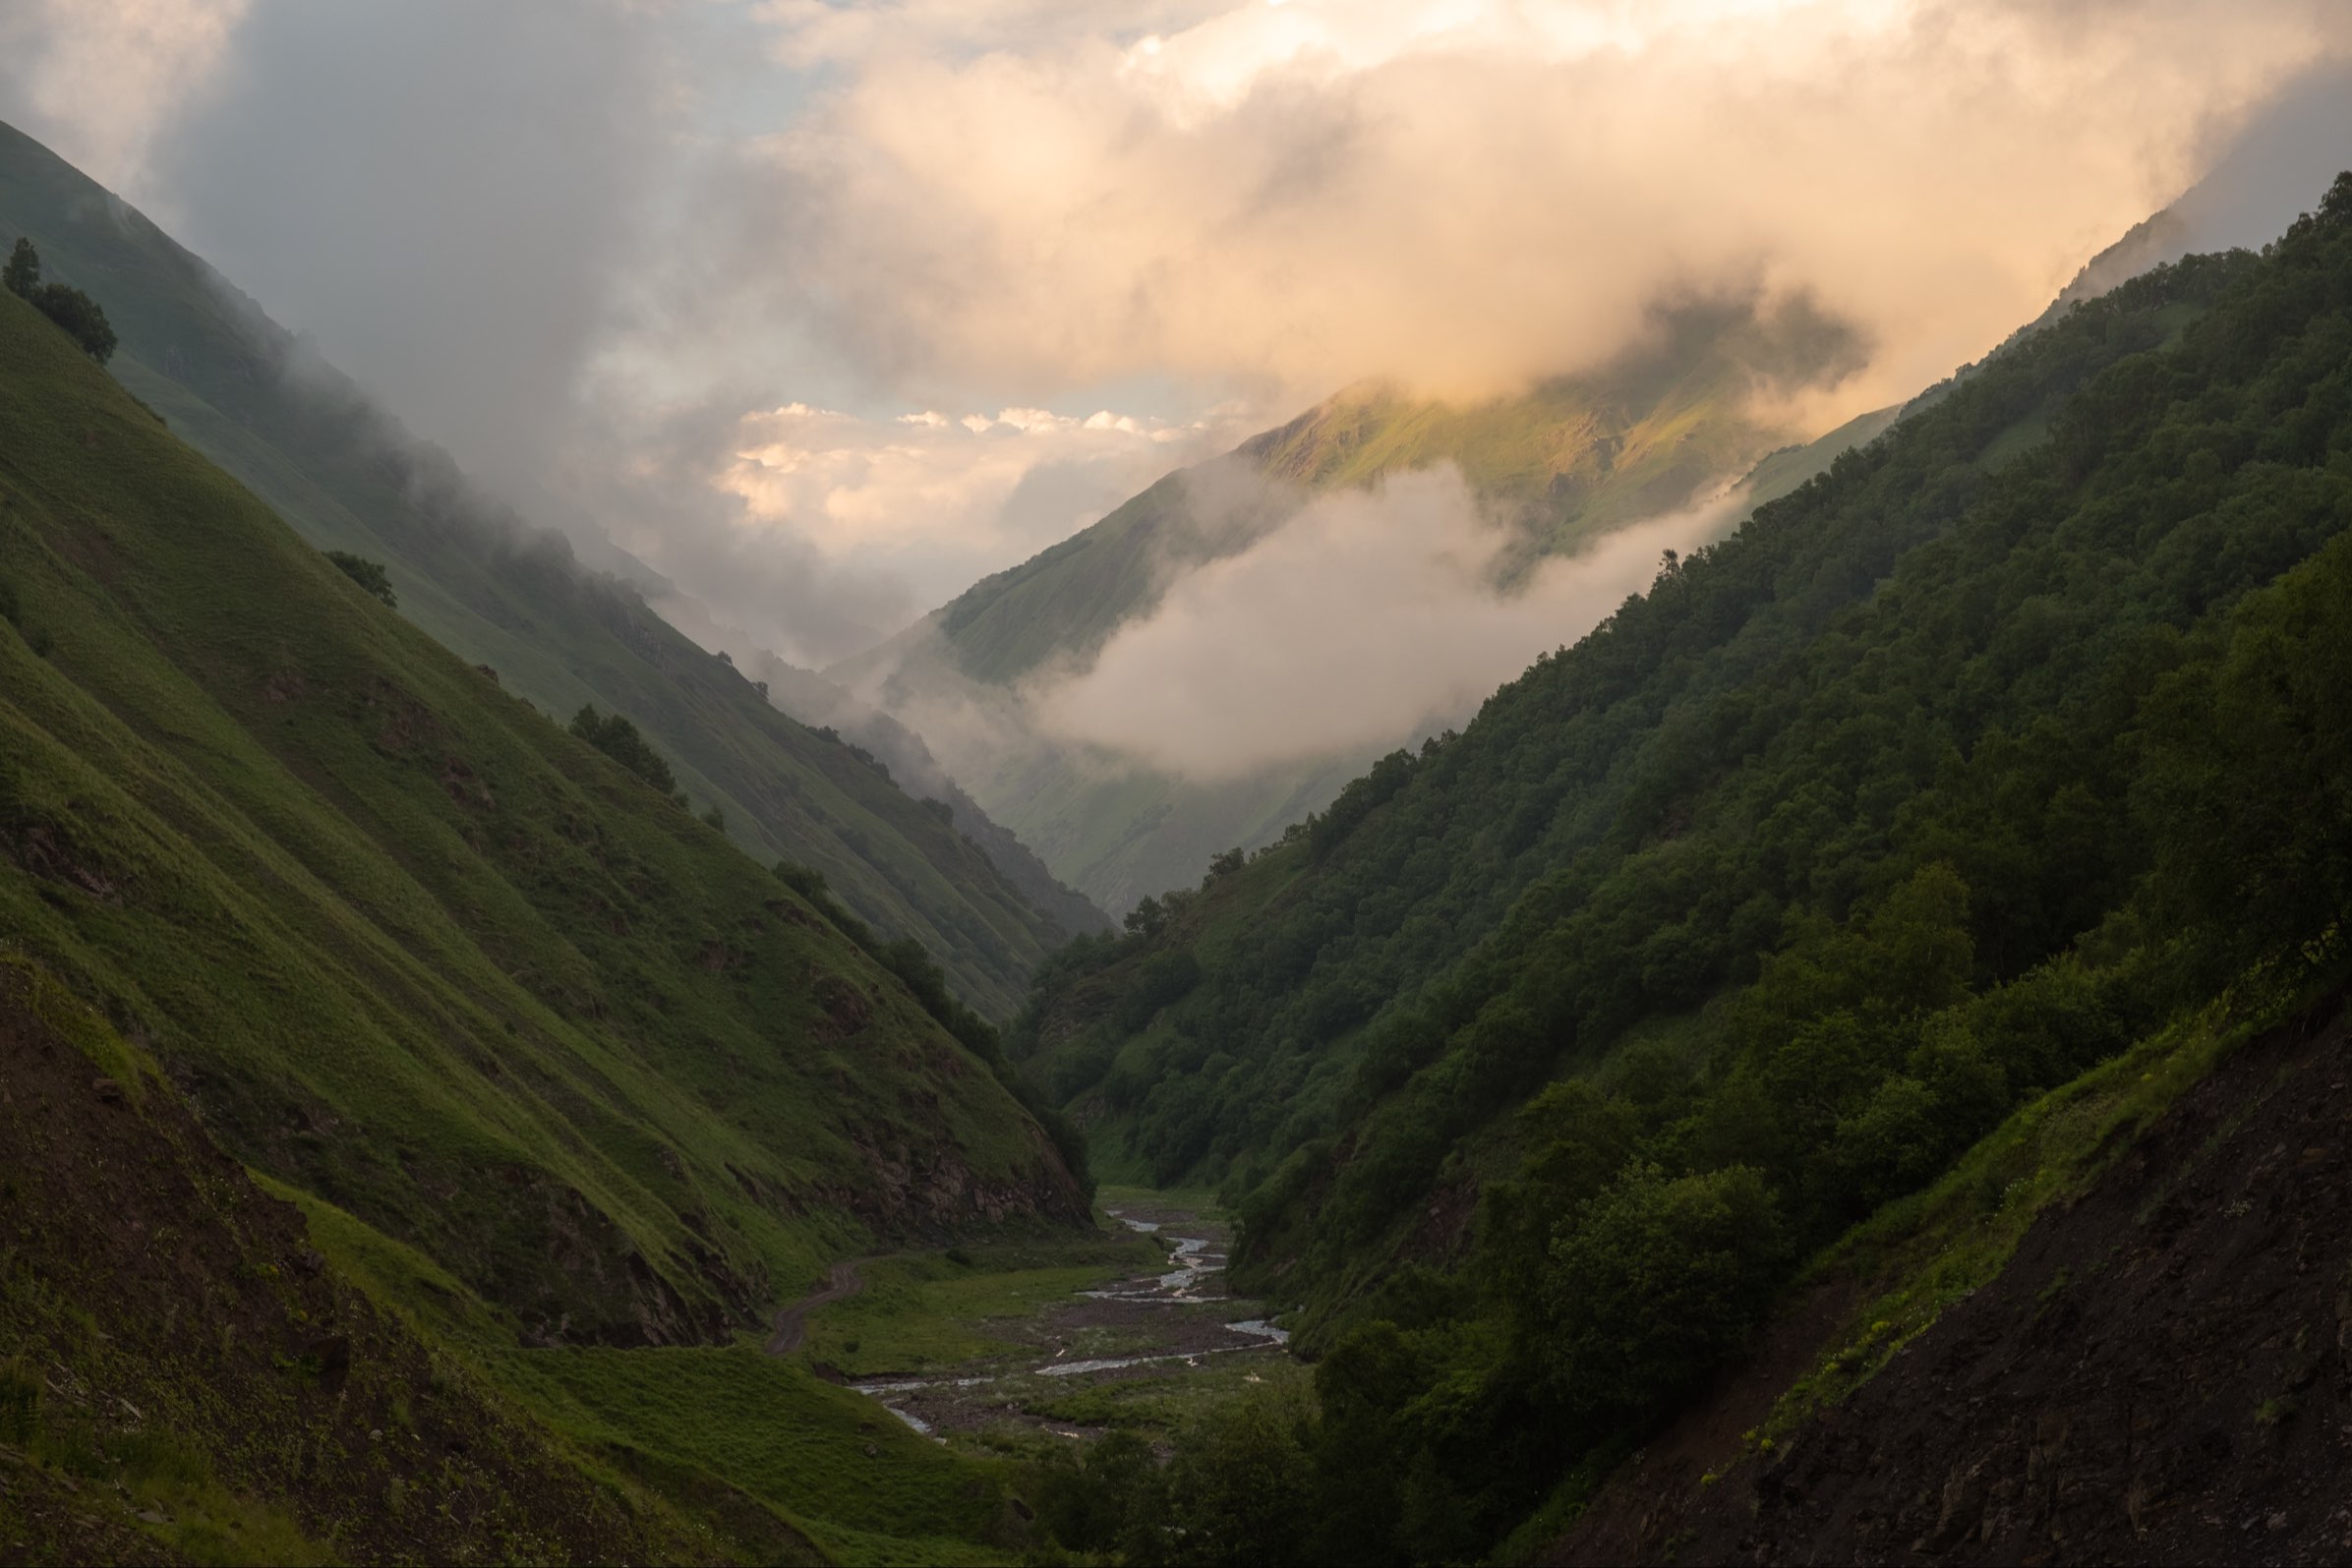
(620, 255)
(940, 498)
(102, 78)
(1468, 194)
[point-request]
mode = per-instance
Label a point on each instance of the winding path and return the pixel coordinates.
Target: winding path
(842, 1281)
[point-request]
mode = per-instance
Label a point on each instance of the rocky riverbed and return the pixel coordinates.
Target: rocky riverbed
(1078, 1358)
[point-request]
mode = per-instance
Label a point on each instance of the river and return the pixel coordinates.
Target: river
(1180, 1320)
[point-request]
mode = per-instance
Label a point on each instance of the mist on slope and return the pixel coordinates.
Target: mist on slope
(1368, 615)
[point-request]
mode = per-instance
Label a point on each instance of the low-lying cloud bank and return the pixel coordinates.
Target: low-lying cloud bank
(1367, 615)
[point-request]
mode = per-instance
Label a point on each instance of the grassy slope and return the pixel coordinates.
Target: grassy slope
(201, 1364)
(342, 474)
(413, 948)
(183, 1378)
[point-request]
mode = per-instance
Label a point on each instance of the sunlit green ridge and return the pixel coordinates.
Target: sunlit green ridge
(1563, 463)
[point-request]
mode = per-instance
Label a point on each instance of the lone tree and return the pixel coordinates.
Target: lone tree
(22, 273)
(75, 312)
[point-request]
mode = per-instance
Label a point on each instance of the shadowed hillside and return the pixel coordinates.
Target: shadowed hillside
(544, 1062)
(310, 444)
(1904, 856)
(342, 881)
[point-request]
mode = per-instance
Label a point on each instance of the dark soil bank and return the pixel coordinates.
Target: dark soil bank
(2162, 1375)
(154, 1301)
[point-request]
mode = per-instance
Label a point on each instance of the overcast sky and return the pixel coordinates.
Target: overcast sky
(826, 310)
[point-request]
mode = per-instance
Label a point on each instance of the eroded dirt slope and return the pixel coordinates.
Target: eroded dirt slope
(171, 1342)
(2164, 1374)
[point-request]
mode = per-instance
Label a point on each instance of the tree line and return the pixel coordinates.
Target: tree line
(75, 313)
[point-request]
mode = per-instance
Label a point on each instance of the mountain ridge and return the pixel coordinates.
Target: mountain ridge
(1559, 465)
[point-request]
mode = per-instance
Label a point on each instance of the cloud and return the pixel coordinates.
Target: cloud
(1466, 192)
(1367, 615)
(97, 79)
(657, 497)
(444, 195)
(592, 247)
(940, 499)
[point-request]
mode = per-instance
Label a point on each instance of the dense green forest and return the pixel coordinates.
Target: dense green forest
(1539, 1064)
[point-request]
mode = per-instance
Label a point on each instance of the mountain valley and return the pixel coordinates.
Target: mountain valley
(1647, 963)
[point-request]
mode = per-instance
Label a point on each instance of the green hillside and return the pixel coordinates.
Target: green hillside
(1568, 459)
(340, 880)
(309, 444)
(1565, 462)
(2012, 746)
(545, 1062)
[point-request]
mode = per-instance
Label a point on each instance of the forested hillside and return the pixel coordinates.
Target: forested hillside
(311, 445)
(1560, 465)
(297, 906)
(1539, 1063)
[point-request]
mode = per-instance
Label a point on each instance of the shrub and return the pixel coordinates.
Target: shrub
(75, 312)
(369, 574)
(22, 273)
(619, 739)
(1658, 1282)
(1240, 1481)
(80, 317)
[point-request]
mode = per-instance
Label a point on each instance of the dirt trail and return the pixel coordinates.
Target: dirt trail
(842, 1281)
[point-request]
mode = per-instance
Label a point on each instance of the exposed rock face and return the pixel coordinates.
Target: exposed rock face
(2164, 1374)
